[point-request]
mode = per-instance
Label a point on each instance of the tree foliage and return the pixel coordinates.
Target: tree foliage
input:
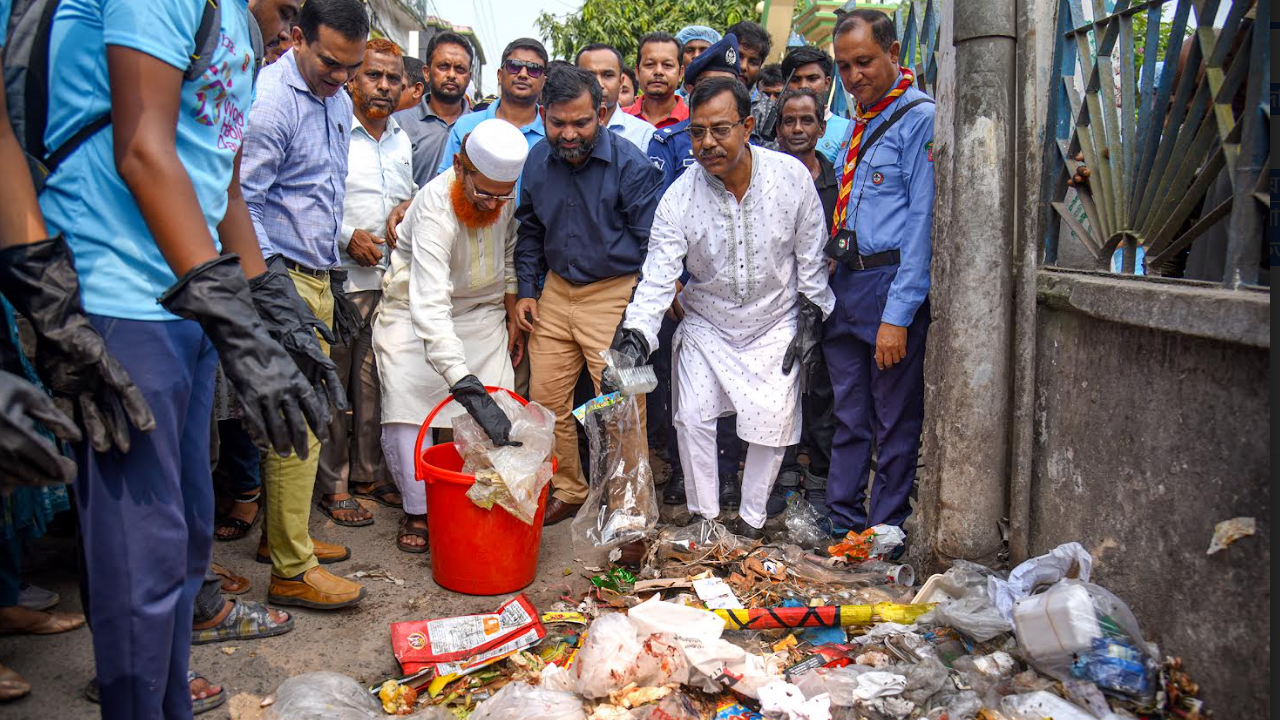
(622, 23)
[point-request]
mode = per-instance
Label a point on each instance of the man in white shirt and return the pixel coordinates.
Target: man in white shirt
(748, 226)
(379, 176)
(605, 62)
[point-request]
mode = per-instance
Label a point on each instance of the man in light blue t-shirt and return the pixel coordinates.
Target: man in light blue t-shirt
(173, 280)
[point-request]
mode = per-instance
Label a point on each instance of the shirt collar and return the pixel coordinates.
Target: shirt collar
(393, 126)
(533, 127)
(425, 111)
(293, 76)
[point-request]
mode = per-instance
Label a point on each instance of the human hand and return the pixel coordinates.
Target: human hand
(397, 214)
(676, 311)
(515, 342)
(891, 345)
(1081, 175)
(526, 309)
(363, 248)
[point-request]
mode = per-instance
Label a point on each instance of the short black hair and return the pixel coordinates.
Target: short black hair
(600, 46)
(882, 29)
(413, 71)
(807, 55)
(566, 83)
(708, 89)
(525, 44)
(753, 35)
(347, 17)
(631, 75)
(789, 95)
(771, 74)
(448, 37)
(658, 37)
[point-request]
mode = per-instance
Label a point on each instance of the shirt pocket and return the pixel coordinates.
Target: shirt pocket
(884, 172)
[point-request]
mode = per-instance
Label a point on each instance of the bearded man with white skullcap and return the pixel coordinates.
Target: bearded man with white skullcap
(442, 325)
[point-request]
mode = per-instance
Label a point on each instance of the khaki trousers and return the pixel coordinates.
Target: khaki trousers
(354, 450)
(290, 481)
(575, 323)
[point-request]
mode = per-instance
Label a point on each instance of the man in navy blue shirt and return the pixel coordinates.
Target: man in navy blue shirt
(585, 209)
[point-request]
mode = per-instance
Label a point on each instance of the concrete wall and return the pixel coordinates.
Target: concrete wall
(1144, 440)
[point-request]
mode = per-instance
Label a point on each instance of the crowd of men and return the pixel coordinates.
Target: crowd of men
(297, 241)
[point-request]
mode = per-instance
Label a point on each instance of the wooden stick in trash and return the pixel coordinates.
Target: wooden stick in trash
(820, 617)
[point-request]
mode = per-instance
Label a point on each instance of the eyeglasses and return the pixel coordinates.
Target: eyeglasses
(535, 70)
(470, 180)
(719, 132)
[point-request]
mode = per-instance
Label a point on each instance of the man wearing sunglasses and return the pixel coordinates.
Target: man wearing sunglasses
(447, 290)
(584, 227)
(521, 75)
(748, 228)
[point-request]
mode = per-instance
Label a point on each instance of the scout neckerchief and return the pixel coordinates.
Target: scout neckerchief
(861, 118)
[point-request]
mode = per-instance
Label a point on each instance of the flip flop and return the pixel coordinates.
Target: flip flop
(239, 527)
(53, 623)
(347, 504)
(378, 494)
(232, 583)
(247, 620)
(197, 706)
(405, 529)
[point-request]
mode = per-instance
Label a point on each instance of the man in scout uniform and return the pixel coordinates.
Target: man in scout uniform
(882, 243)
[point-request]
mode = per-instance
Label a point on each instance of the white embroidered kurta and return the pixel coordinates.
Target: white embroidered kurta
(442, 315)
(749, 262)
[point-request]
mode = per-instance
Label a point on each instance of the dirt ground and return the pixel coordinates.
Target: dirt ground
(355, 641)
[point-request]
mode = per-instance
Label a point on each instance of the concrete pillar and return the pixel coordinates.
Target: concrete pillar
(974, 253)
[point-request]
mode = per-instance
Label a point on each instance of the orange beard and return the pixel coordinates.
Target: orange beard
(468, 214)
(373, 113)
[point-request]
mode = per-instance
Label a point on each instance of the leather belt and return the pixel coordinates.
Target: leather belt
(304, 269)
(880, 259)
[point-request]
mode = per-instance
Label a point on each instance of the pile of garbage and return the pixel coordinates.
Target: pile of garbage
(710, 625)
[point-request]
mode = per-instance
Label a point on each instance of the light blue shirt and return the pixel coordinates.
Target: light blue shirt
(379, 177)
(533, 132)
(5, 5)
(122, 272)
(891, 206)
(294, 170)
(637, 131)
(833, 138)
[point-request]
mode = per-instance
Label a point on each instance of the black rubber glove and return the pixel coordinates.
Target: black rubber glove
(26, 456)
(71, 357)
(292, 324)
(347, 319)
(804, 346)
(278, 403)
(633, 351)
(470, 393)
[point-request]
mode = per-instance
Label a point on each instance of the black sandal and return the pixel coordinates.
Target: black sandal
(405, 529)
(378, 493)
(350, 503)
(239, 527)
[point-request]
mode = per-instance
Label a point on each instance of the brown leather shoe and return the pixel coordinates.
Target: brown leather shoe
(558, 511)
(326, 553)
(318, 589)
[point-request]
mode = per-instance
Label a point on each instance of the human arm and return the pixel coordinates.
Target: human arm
(642, 188)
(393, 220)
(910, 286)
(429, 230)
(515, 336)
(815, 299)
(529, 259)
(20, 220)
(270, 128)
(662, 267)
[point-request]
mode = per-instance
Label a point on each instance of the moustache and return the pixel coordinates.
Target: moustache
(712, 154)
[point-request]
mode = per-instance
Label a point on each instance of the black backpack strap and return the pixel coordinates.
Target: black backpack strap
(884, 127)
(207, 38)
(36, 93)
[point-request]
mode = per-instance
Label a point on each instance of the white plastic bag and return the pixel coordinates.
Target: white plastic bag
(1069, 560)
(608, 659)
(784, 701)
(510, 476)
(518, 701)
(1039, 705)
(323, 696)
(621, 505)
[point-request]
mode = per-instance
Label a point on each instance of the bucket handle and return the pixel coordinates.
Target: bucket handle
(418, 470)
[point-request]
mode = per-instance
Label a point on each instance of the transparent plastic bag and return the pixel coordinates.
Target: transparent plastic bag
(510, 476)
(518, 701)
(323, 696)
(621, 505)
(608, 660)
(803, 523)
(971, 612)
(697, 541)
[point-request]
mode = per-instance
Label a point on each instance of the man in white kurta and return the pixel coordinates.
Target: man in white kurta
(748, 226)
(442, 325)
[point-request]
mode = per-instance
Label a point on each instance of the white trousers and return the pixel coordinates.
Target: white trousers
(397, 446)
(702, 481)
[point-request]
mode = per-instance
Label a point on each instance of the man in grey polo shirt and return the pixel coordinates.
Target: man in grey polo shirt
(447, 74)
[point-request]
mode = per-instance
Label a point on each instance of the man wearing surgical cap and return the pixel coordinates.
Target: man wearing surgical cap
(443, 325)
(695, 39)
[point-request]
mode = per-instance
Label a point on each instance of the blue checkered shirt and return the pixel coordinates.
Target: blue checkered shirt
(294, 169)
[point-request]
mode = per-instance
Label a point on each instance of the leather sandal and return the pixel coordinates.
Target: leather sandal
(407, 529)
(239, 528)
(328, 508)
(232, 584)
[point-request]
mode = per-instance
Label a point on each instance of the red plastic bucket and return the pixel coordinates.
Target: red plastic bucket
(473, 550)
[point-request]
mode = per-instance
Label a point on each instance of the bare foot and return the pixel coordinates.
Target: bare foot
(17, 620)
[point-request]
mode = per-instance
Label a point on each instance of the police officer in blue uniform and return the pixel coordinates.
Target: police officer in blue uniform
(875, 338)
(670, 149)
